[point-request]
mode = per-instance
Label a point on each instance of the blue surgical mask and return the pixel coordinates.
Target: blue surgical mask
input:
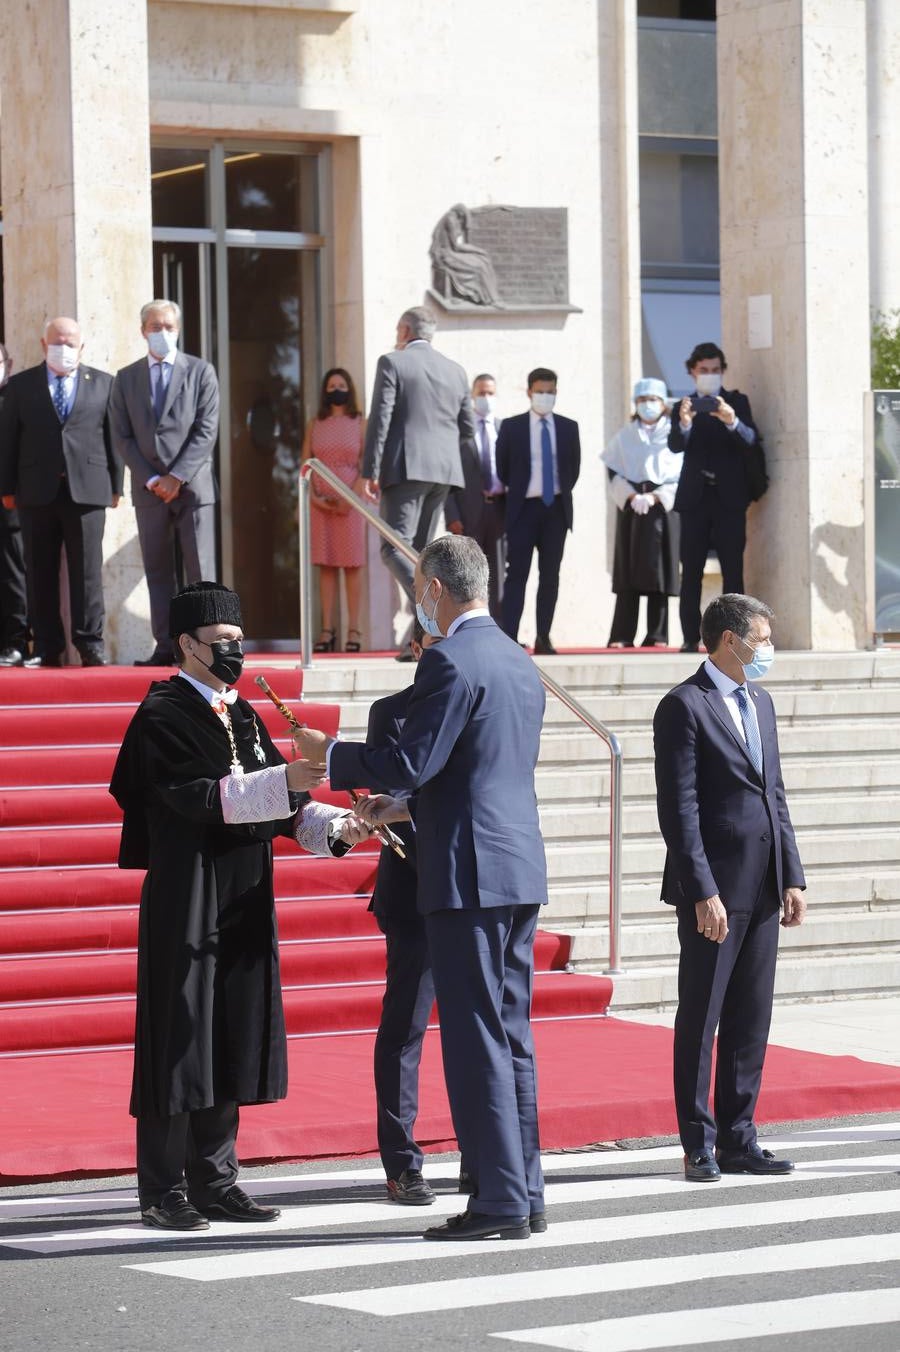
(429, 622)
(162, 343)
(763, 657)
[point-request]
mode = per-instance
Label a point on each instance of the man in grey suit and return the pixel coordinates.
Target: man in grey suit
(479, 509)
(420, 432)
(165, 420)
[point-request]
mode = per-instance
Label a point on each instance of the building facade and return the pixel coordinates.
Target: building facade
(279, 167)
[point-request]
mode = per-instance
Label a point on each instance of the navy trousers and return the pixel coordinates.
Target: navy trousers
(730, 985)
(483, 965)
(540, 528)
(405, 1011)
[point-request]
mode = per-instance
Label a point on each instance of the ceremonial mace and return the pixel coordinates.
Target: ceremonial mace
(384, 833)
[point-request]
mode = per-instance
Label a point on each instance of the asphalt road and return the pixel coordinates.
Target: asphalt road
(634, 1258)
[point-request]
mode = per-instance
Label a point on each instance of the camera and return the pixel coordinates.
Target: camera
(704, 403)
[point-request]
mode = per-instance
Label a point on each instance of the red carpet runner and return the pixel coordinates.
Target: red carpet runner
(68, 921)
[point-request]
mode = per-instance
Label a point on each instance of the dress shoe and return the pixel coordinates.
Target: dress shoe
(158, 658)
(700, 1167)
(33, 663)
(410, 1189)
(543, 647)
(174, 1213)
(466, 1181)
(752, 1160)
(11, 657)
(235, 1205)
(476, 1225)
(537, 1222)
(689, 648)
(93, 657)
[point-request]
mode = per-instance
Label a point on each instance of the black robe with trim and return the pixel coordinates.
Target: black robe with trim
(210, 1024)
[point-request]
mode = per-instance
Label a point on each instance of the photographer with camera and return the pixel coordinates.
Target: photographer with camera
(716, 434)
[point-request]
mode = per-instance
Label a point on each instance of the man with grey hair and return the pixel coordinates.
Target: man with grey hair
(58, 468)
(732, 870)
(420, 431)
(165, 421)
(467, 754)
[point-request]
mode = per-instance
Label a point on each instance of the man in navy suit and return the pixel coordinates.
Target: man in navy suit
(539, 459)
(467, 754)
(712, 495)
(58, 468)
(409, 985)
(732, 869)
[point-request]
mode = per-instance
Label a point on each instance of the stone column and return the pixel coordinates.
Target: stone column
(884, 152)
(795, 297)
(75, 155)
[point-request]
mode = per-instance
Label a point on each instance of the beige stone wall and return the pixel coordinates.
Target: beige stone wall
(76, 199)
(793, 191)
(425, 107)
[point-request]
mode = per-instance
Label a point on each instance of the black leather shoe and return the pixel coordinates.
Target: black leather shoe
(752, 1160)
(689, 648)
(476, 1225)
(466, 1181)
(543, 647)
(174, 1213)
(11, 657)
(94, 657)
(235, 1205)
(33, 663)
(700, 1167)
(158, 658)
(537, 1222)
(410, 1189)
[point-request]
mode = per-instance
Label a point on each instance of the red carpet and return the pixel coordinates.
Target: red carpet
(600, 1080)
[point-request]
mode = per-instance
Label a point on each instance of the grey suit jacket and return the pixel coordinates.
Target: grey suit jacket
(421, 423)
(183, 440)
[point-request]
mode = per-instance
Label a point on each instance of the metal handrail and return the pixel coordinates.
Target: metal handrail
(314, 466)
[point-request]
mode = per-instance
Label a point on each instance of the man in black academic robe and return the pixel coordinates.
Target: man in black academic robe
(204, 792)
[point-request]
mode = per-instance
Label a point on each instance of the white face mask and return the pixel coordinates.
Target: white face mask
(162, 343)
(543, 403)
(483, 405)
(61, 358)
(649, 410)
(708, 382)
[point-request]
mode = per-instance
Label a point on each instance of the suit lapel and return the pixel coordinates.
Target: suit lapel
(716, 701)
(176, 381)
(765, 719)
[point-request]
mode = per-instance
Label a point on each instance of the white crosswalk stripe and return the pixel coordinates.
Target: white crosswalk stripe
(624, 1226)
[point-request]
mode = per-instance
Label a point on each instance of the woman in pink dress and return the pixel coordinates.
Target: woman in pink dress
(336, 436)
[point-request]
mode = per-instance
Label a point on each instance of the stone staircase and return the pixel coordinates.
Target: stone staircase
(839, 727)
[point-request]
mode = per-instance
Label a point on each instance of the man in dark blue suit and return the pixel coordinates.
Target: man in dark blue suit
(732, 869)
(715, 432)
(539, 459)
(409, 985)
(467, 755)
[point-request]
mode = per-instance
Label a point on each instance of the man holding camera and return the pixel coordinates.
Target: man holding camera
(715, 432)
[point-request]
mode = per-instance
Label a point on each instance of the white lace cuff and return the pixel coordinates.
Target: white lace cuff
(259, 796)
(311, 826)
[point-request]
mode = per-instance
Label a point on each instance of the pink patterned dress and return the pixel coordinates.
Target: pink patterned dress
(337, 541)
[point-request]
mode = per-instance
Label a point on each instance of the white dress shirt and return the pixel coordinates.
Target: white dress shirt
(727, 687)
(536, 482)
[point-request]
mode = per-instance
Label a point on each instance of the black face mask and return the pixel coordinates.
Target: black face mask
(228, 659)
(337, 397)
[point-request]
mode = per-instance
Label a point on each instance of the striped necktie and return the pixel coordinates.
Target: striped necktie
(751, 729)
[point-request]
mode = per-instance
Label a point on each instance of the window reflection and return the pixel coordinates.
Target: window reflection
(270, 192)
(179, 186)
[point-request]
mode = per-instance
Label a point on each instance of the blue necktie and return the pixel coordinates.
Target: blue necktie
(60, 403)
(547, 494)
(751, 731)
(159, 394)
(487, 469)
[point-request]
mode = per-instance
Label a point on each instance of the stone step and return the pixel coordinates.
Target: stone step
(653, 942)
(802, 775)
(797, 978)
